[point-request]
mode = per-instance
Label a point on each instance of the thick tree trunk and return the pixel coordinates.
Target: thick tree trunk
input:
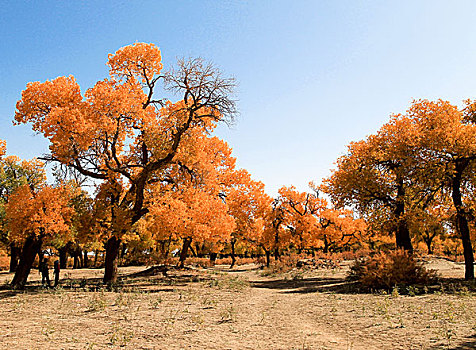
(428, 241)
(402, 236)
(31, 248)
(14, 256)
(326, 245)
(213, 258)
(233, 258)
(402, 233)
(462, 224)
(268, 257)
(63, 257)
(110, 263)
(183, 253)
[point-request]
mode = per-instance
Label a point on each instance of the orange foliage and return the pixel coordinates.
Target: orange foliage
(44, 214)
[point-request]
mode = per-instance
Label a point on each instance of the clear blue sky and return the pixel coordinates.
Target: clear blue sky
(313, 75)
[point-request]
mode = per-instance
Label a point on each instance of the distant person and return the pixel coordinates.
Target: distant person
(56, 272)
(45, 275)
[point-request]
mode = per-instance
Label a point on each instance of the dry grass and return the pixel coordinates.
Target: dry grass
(218, 308)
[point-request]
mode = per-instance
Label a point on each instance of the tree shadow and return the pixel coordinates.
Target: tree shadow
(233, 270)
(7, 292)
(343, 285)
(151, 280)
(468, 344)
(310, 285)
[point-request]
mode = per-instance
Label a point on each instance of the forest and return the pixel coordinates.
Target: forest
(138, 179)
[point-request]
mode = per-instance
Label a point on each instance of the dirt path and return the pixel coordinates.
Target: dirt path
(218, 309)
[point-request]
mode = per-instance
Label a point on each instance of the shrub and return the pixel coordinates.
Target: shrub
(4, 262)
(284, 264)
(386, 270)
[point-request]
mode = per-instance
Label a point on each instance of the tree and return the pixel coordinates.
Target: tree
(448, 154)
(36, 218)
(14, 173)
(188, 204)
(301, 212)
(429, 224)
(120, 133)
(376, 176)
(247, 203)
(338, 230)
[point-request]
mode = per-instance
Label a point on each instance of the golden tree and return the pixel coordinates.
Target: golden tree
(36, 217)
(376, 175)
(120, 132)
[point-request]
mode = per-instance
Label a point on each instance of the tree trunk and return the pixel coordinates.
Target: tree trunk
(462, 224)
(213, 258)
(428, 241)
(194, 253)
(233, 258)
(14, 256)
(268, 257)
(402, 233)
(326, 245)
(85, 259)
(198, 250)
(110, 263)
(63, 257)
(183, 253)
(30, 249)
(96, 252)
(80, 256)
(41, 256)
(76, 264)
(123, 253)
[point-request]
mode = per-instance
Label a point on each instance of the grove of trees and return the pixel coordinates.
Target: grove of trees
(163, 182)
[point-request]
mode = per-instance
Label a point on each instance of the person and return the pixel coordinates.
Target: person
(56, 272)
(45, 276)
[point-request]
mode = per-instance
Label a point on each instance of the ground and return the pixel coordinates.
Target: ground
(243, 308)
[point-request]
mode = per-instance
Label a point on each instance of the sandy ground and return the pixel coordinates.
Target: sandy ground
(243, 308)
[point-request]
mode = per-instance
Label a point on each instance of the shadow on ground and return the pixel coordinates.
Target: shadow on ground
(468, 344)
(344, 286)
(152, 280)
(309, 285)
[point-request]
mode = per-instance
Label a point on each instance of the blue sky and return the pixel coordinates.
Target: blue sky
(313, 75)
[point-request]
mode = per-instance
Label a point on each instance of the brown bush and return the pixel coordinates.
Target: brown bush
(387, 270)
(4, 262)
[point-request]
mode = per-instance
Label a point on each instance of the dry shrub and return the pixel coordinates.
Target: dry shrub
(4, 262)
(285, 263)
(386, 270)
(239, 261)
(352, 255)
(205, 262)
(198, 262)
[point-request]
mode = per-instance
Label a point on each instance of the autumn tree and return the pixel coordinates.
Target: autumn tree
(35, 218)
(247, 204)
(377, 174)
(187, 202)
(15, 173)
(301, 211)
(120, 132)
(448, 154)
(339, 230)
